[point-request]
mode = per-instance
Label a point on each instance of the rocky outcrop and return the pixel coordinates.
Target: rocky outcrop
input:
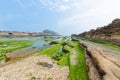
(103, 63)
(20, 34)
(4, 33)
(110, 32)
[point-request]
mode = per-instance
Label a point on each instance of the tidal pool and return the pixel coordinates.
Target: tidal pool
(37, 44)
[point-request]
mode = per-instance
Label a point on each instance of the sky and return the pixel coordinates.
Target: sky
(63, 16)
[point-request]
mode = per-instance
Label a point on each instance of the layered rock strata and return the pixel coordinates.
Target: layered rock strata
(110, 33)
(103, 63)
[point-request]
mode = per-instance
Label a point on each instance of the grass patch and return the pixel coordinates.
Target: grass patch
(67, 48)
(78, 71)
(50, 50)
(11, 45)
(48, 38)
(64, 61)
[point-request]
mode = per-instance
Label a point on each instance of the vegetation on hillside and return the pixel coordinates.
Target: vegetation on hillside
(46, 31)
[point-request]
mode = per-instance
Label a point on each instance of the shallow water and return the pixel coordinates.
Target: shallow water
(38, 44)
(20, 38)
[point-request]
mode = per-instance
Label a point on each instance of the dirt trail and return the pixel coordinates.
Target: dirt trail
(28, 67)
(105, 60)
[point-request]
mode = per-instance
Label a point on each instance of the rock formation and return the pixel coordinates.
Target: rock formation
(22, 34)
(49, 32)
(102, 62)
(110, 32)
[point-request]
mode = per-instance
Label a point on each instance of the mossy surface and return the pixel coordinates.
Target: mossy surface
(11, 45)
(78, 71)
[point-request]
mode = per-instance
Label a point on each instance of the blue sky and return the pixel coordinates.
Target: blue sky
(63, 16)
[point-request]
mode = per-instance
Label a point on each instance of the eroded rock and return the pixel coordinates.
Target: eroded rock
(105, 61)
(110, 33)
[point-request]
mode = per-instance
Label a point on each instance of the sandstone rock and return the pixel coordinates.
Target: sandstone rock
(103, 60)
(110, 33)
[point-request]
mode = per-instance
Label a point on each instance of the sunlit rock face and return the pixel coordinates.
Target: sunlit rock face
(111, 32)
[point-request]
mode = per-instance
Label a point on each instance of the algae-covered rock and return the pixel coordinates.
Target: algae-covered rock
(54, 42)
(66, 48)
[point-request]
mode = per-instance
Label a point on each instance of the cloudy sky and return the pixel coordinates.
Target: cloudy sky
(63, 16)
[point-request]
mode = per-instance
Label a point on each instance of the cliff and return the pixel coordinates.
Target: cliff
(110, 33)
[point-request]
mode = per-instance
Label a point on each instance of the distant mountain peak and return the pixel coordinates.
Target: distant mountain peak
(50, 32)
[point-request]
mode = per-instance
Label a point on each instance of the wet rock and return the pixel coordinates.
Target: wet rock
(64, 43)
(66, 48)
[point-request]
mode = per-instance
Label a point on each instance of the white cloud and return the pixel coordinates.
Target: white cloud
(80, 15)
(76, 18)
(94, 14)
(66, 0)
(61, 5)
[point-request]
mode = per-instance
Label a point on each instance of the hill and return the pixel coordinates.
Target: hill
(46, 31)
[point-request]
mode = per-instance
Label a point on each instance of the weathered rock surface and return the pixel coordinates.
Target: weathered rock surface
(110, 32)
(91, 69)
(104, 60)
(22, 70)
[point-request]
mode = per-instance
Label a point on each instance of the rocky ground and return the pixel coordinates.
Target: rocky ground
(103, 62)
(40, 68)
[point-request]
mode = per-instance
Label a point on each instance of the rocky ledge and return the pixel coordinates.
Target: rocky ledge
(102, 62)
(110, 33)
